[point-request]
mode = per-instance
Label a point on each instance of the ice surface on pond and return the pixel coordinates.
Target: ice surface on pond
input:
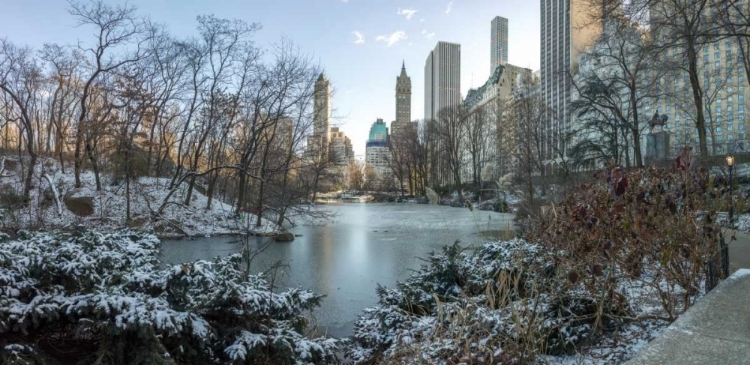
(365, 245)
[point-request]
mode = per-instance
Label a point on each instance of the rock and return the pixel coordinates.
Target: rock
(81, 206)
(11, 165)
(171, 227)
(138, 221)
(487, 205)
(284, 237)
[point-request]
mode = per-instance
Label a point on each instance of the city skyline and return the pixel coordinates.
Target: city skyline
(360, 69)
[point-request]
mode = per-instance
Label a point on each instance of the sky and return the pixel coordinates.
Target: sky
(359, 43)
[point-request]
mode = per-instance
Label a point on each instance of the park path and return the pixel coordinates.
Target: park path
(739, 253)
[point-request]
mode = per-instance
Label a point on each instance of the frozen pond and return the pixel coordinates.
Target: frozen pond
(365, 245)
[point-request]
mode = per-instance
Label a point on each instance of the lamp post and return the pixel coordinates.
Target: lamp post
(730, 164)
(722, 243)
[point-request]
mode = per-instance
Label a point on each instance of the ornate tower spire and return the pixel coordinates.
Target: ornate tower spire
(403, 100)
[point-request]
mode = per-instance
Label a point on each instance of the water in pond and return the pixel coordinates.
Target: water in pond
(364, 245)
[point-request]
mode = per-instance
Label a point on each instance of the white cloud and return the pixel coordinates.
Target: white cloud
(393, 38)
(448, 9)
(421, 20)
(360, 37)
(427, 34)
(408, 13)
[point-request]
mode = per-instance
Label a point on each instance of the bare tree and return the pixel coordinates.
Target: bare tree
(530, 117)
(114, 26)
(451, 130)
(65, 65)
(20, 80)
(681, 29)
(479, 134)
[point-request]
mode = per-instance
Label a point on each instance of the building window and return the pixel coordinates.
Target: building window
(717, 55)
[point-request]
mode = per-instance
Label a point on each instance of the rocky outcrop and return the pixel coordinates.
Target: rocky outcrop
(284, 237)
(81, 206)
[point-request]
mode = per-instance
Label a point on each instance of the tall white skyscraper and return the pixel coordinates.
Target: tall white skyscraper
(563, 37)
(442, 79)
(499, 43)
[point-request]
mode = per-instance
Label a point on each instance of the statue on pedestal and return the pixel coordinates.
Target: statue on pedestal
(657, 143)
(658, 121)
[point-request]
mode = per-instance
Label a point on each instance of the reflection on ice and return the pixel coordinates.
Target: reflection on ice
(365, 245)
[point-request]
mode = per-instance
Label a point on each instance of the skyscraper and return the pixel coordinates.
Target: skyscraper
(318, 143)
(403, 102)
(377, 153)
(442, 79)
(563, 37)
(341, 151)
(499, 43)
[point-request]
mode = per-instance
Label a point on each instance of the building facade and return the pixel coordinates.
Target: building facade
(403, 102)
(563, 37)
(442, 82)
(498, 43)
(341, 151)
(491, 101)
(319, 143)
(377, 152)
(722, 79)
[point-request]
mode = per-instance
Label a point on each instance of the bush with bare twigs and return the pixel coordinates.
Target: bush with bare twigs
(608, 267)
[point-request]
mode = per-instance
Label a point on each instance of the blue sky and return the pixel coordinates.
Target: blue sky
(363, 74)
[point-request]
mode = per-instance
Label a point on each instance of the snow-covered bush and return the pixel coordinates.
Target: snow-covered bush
(503, 304)
(94, 296)
(607, 270)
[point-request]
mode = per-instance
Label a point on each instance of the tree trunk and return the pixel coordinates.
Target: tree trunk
(240, 191)
(259, 211)
(94, 165)
(29, 177)
(77, 157)
(635, 130)
(700, 122)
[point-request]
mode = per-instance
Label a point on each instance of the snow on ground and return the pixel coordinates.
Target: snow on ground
(147, 194)
(743, 222)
